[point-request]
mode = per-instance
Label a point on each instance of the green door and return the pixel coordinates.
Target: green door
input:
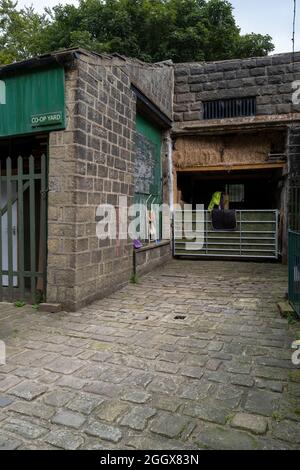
(148, 168)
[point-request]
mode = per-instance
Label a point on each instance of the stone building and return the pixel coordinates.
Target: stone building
(71, 125)
(79, 129)
(237, 130)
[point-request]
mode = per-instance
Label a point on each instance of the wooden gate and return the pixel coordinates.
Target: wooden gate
(23, 228)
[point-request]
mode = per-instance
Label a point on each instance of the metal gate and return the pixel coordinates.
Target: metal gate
(255, 236)
(294, 270)
(23, 228)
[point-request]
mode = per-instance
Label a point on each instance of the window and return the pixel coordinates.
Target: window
(236, 192)
(229, 108)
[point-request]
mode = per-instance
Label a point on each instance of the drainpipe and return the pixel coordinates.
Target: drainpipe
(170, 171)
(171, 182)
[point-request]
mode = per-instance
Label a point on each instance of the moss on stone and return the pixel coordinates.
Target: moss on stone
(294, 376)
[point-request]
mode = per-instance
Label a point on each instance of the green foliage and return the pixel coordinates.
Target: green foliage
(20, 303)
(20, 32)
(151, 30)
(291, 318)
(134, 279)
(294, 376)
(277, 416)
(254, 45)
(39, 297)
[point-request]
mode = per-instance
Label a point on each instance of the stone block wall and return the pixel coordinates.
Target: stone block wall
(156, 81)
(268, 78)
(61, 197)
(91, 163)
(148, 259)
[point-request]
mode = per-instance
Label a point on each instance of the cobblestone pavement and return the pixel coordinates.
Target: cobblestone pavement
(194, 356)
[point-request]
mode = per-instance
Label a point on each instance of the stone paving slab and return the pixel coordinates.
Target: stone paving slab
(193, 356)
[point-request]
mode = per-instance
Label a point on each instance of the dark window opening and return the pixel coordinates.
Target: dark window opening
(229, 108)
(247, 190)
(236, 192)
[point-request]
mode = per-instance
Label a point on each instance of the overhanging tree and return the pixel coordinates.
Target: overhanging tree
(152, 30)
(20, 32)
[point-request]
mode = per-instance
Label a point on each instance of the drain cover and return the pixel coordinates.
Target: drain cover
(180, 317)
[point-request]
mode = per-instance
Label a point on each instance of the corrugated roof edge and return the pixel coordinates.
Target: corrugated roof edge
(65, 57)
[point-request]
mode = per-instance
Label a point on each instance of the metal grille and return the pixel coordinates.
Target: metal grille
(256, 236)
(23, 228)
(236, 192)
(294, 270)
(229, 108)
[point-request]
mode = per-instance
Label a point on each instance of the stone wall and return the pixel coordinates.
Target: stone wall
(61, 197)
(149, 258)
(156, 81)
(90, 163)
(268, 78)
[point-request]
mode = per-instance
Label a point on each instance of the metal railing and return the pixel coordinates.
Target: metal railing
(294, 270)
(255, 236)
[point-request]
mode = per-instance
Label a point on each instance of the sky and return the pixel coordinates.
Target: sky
(274, 17)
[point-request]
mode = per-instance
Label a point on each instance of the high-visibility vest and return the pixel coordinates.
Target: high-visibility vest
(215, 200)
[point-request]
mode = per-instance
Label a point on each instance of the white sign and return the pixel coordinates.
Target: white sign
(2, 92)
(296, 94)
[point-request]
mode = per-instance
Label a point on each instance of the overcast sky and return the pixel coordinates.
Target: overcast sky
(274, 17)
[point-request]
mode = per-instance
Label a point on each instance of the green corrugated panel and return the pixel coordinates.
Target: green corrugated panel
(36, 96)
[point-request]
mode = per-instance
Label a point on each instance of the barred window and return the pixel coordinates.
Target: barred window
(229, 108)
(236, 192)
